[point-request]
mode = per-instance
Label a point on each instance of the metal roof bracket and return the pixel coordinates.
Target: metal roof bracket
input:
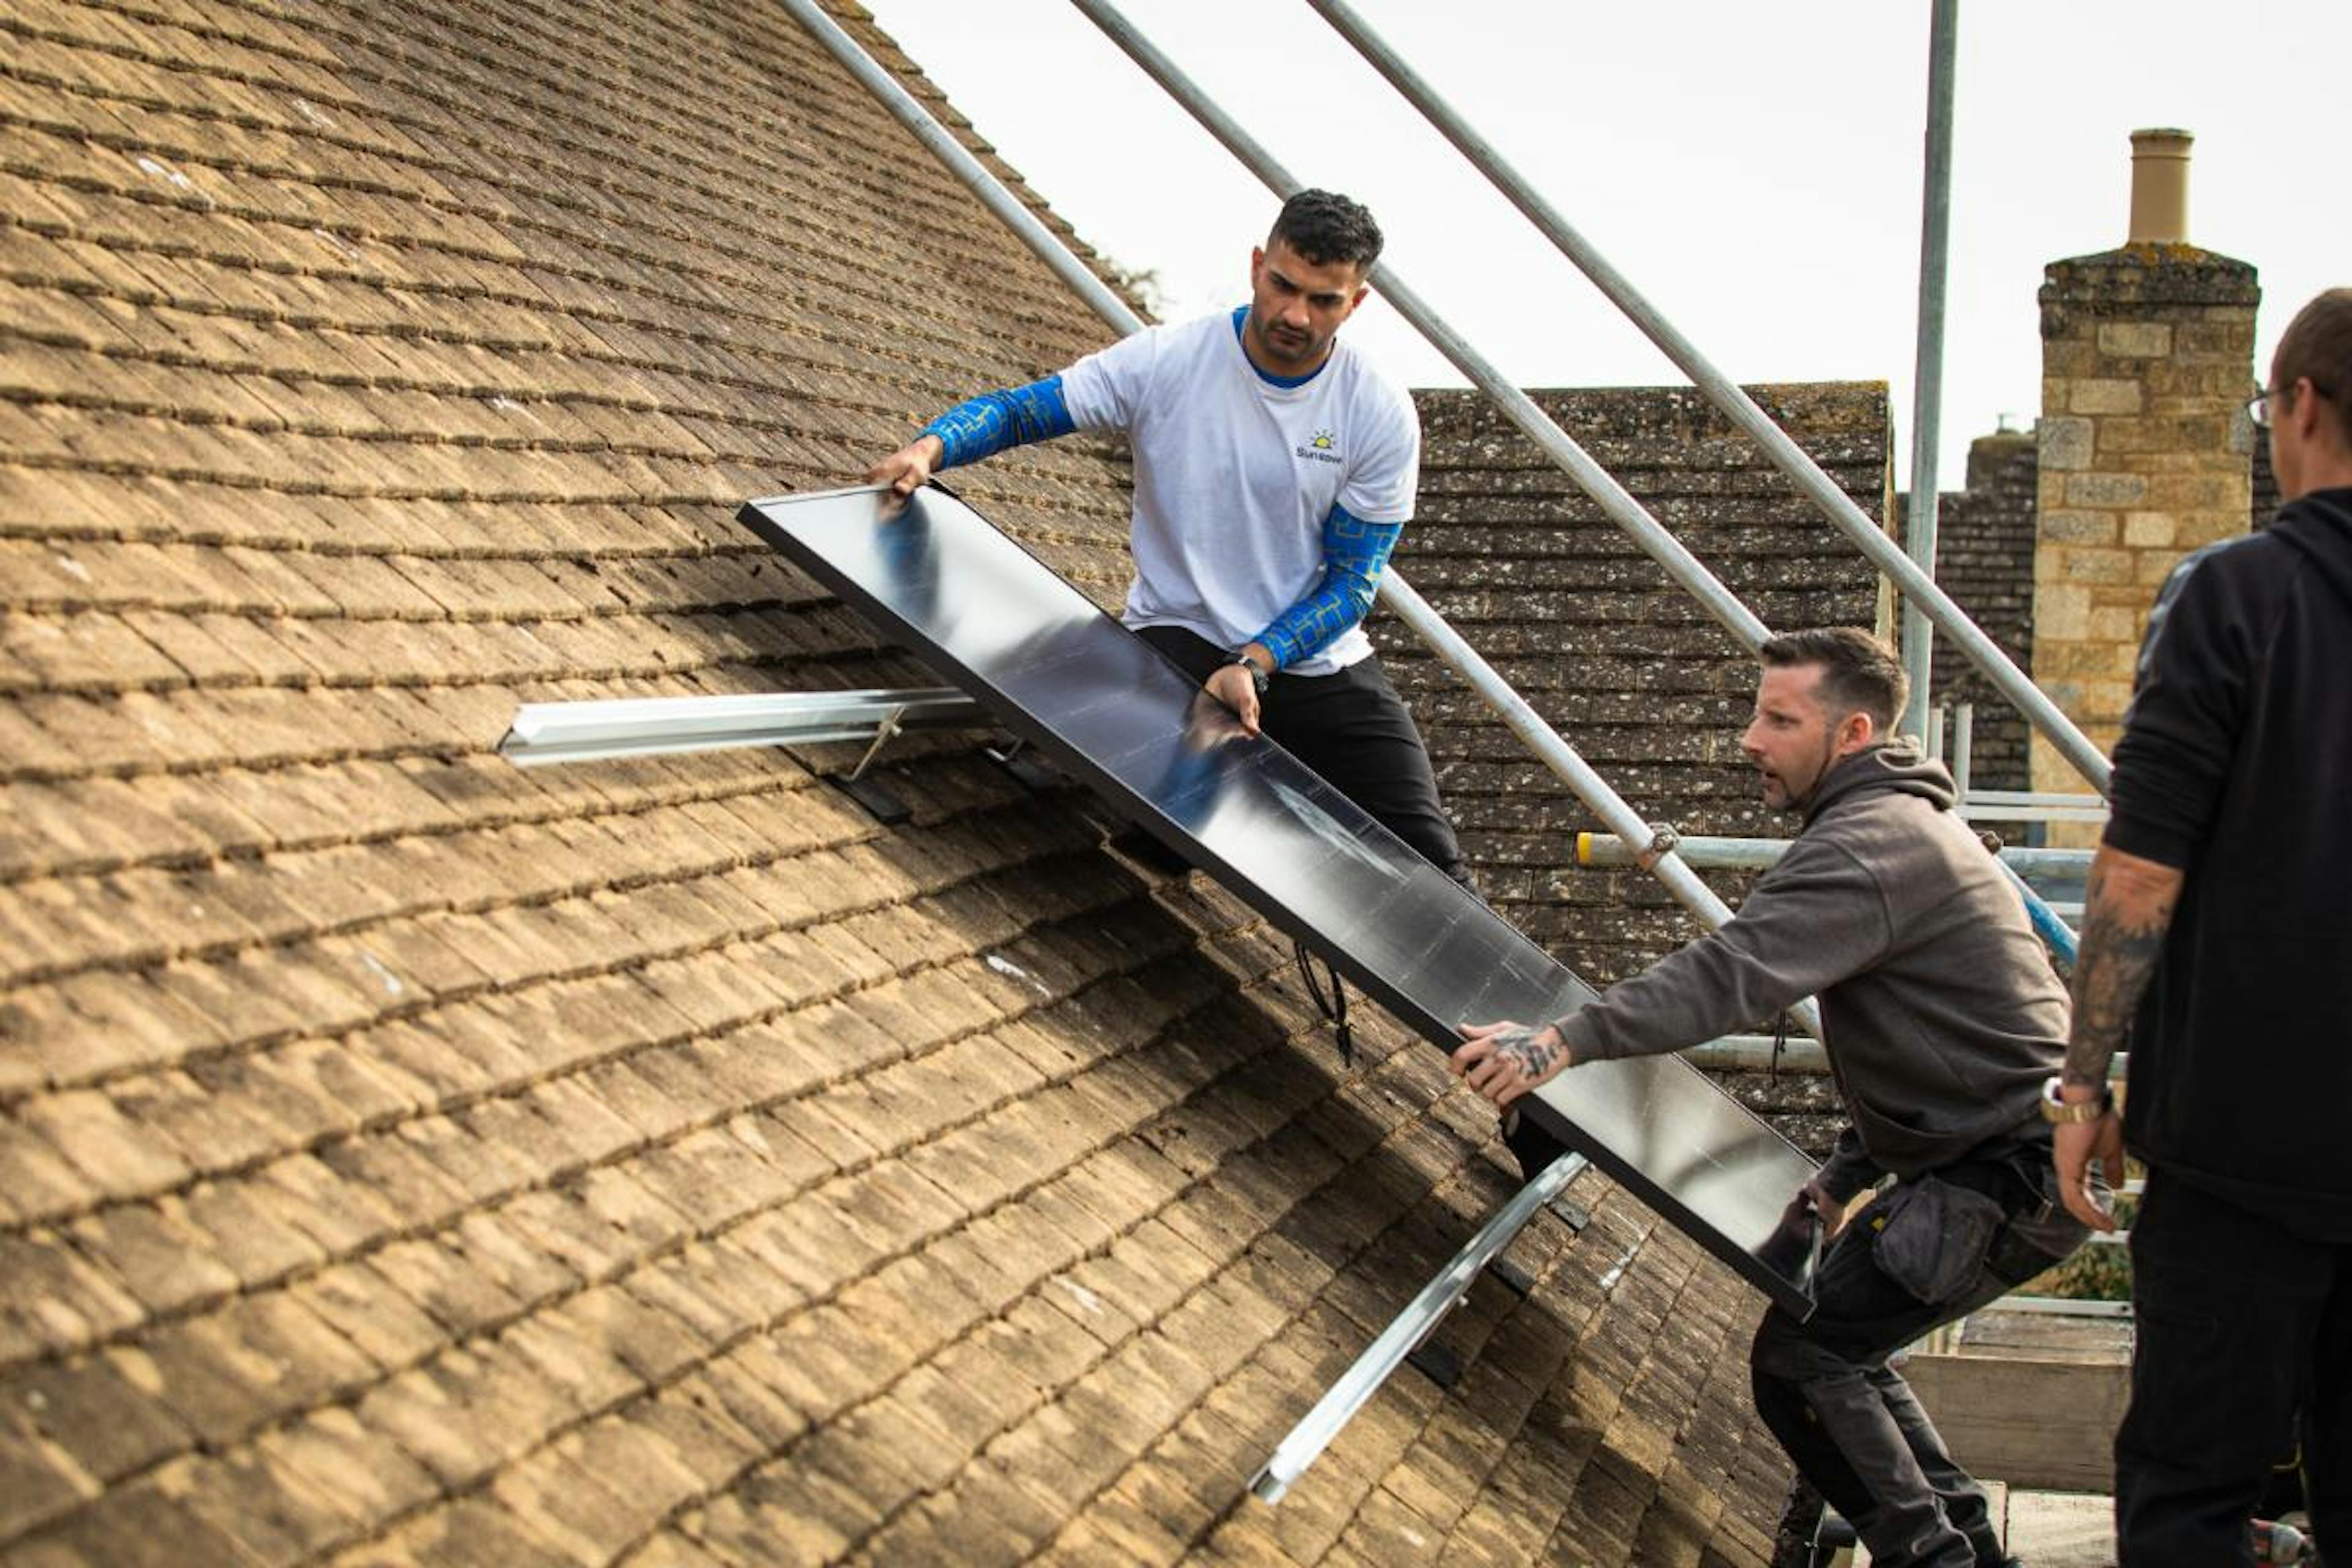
(1401, 1341)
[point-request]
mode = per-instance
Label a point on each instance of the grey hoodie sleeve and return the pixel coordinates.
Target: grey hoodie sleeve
(1811, 920)
(1849, 1167)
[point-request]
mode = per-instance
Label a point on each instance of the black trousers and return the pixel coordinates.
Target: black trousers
(2244, 1335)
(1354, 730)
(1849, 1422)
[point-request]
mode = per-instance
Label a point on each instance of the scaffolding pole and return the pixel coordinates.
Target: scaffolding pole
(1590, 787)
(1928, 379)
(1718, 852)
(1916, 587)
(1540, 428)
(1602, 850)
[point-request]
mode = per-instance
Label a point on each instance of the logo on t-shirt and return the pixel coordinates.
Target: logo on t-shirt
(1323, 448)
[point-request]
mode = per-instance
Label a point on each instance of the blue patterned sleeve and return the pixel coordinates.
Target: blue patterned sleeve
(1354, 552)
(990, 423)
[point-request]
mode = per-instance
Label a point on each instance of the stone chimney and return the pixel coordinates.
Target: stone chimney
(2147, 357)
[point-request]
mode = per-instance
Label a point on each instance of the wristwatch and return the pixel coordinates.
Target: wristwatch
(1257, 676)
(2066, 1113)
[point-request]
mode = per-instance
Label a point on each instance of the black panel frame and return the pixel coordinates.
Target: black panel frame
(1780, 1258)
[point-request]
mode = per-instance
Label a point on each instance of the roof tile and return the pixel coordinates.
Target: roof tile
(152, 1249)
(274, 1513)
(473, 1532)
(360, 1303)
(248, 1227)
(91, 1133)
(109, 1424)
(38, 1480)
(138, 1524)
(332, 1453)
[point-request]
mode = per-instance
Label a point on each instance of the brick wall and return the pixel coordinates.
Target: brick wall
(1625, 664)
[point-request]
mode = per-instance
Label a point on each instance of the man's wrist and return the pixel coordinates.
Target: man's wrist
(1577, 1039)
(2065, 1102)
(1259, 672)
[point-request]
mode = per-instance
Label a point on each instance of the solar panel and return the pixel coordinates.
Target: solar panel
(939, 579)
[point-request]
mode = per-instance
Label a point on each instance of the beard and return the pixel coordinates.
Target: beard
(1791, 800)
(1287, 345)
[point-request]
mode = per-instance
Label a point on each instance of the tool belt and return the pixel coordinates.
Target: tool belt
(1941, 1230)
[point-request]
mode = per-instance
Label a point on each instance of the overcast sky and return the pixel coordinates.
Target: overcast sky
(1754, 169)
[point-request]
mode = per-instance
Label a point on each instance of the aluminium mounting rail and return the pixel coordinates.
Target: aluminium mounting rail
(1405, 1332)
(545, 732)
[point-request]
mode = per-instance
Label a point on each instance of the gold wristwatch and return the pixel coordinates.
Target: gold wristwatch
(2065, 1113)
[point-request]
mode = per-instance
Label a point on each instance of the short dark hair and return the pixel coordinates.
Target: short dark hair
(1860, 674)
(1326, 227)
(2319, 344)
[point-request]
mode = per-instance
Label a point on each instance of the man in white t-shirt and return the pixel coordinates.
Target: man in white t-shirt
(1275, 469)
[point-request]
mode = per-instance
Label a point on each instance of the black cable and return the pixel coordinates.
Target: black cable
(1334, 1007)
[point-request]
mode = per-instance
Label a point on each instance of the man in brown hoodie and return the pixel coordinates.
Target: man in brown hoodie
(1942, 1020)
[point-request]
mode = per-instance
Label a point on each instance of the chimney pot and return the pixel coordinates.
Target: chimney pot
(2159, 190)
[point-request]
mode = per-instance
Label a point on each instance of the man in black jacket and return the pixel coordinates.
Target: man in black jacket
(1942, 1020)
(2218, 929)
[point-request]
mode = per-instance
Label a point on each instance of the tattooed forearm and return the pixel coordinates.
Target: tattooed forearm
(1534, 1050)
(2125, 918)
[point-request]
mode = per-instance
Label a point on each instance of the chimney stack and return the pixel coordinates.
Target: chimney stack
(2146, 355)
(2159, 192)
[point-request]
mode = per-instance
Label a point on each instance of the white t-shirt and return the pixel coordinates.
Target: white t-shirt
(1233, 476)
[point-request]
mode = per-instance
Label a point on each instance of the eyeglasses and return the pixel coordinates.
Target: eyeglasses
(2258, 407)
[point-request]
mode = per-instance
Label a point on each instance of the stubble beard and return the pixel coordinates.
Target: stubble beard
(1291, 349)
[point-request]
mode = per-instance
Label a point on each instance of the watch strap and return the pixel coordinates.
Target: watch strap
(2067, 1113)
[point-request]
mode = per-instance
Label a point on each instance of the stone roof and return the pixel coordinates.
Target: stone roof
(406, 1158)
(1985, 537)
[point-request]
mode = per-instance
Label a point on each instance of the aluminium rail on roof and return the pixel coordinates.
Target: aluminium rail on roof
(545, 732)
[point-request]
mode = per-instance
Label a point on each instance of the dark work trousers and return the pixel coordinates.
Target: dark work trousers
(2242, 1324)
(1355, 732)
(1849, 1421)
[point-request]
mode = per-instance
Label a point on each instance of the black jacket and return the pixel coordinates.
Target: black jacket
(2235, 766)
